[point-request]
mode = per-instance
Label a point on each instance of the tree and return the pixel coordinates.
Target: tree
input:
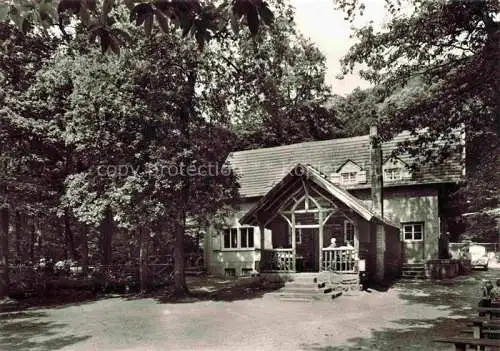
(270, 90)
(132, 128)
(202, 20)
(436, 67)
(357, 111)
(23, 185)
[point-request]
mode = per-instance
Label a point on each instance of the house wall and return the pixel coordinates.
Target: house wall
(405, 204)
(238, 261)
(412, 204)
(393, 252)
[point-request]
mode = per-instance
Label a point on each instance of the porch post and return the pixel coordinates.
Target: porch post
(262, 243)
(356, 237)
(294, 255)
(320, 220)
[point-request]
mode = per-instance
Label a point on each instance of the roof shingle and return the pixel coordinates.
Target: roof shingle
(260, 169)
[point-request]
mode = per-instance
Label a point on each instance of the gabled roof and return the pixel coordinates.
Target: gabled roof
(349, 161)
(260, 169)
(283, 189)
(395, 159)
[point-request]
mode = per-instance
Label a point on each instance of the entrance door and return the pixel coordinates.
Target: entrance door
(414, 243)
(307, 242)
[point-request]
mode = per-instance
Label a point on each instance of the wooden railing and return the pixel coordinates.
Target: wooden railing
(339, 259)
(278, 260)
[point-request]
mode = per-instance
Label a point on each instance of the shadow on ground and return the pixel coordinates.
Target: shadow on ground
(216, 289)
(410, 335)
(458, 296)
(27, 330)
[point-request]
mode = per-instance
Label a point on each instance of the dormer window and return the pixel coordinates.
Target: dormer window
(392, 174)
(349, 173)
(348, 177)
(395, 170)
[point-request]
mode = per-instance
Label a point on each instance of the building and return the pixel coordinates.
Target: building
(297, 198)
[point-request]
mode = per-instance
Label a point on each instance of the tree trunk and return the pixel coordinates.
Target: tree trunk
(142, 261)
(185, 115)
(32, 239)
(18, 235)
(106, 233)
(39, 239)
(4, 251)
(68, 235)
(84, 251)
(179, 259)
(492, 49)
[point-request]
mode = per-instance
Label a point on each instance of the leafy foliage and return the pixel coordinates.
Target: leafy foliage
(271, 90)
(435, 66)
(201, 20)
(357, 111)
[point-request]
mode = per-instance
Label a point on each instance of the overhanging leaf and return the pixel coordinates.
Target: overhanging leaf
(130, 4)
(241, 7)
(69, 5)
(84, 15)
(266, 13)
(4, 11)
(104, 42)
(139, 13)
(253, 20)
(200, 38)
(25, 25)
(148, 23)
(114, 44)
(187, 27)
(119, 33)
(162, 20)
(106, 7)
(235, 23)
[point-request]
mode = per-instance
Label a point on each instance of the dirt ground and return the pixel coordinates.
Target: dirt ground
(405, 317)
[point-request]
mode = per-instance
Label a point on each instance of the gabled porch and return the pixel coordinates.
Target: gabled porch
(315, 226)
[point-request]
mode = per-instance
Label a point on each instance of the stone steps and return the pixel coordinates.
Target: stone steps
(313, 288)
(413, 271)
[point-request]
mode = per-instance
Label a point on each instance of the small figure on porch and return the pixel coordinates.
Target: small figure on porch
(333, 243)
(495, 292)
(487, 294)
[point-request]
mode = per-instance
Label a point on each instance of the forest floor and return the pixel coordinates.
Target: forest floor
(241, 316)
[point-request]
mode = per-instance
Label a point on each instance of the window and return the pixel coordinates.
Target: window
(348, 177)
(246, 237)
(235, 238)
(348, 232)
(298, 236)
(391, 174)
(413, 231)
(231, 238)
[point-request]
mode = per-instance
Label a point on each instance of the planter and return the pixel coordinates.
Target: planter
(446, 268)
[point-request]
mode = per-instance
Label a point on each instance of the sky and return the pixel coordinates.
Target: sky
(326, 27)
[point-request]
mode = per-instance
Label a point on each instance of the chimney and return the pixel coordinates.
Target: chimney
(376, 170)
(377, 202)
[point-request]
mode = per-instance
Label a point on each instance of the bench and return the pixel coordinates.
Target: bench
(489, 312)
(462, 343)
(482, 327)
(484, 332)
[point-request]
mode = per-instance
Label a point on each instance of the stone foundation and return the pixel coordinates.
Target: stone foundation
(442, 269)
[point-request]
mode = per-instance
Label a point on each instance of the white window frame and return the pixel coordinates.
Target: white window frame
(412, 225)
(298, 235)
(348, 224)
(233, 231)
(350, 177)
(390, 172)
(237, 231)
(245, 230)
